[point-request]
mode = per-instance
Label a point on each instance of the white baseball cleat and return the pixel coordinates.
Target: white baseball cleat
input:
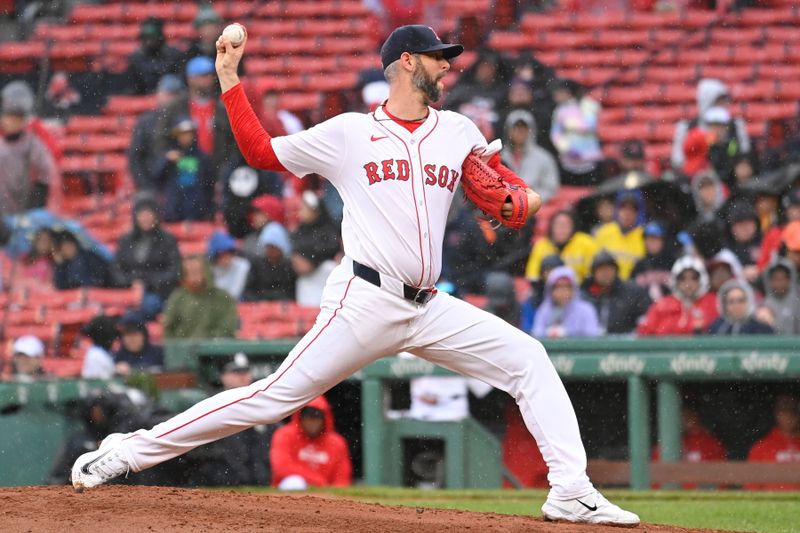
(591, 509)
(104, 464)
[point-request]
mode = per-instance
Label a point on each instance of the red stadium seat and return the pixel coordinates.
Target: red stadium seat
(129, 105)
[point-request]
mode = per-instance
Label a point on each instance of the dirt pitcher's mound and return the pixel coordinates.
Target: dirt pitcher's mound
(129, 509)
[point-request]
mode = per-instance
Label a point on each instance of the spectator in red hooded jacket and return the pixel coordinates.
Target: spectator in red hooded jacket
(690, 309)
(309, 452)
(781, 444)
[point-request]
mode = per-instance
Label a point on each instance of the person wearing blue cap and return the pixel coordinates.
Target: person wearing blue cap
(230, 269)
(200, 104)
(652, 272)
(623, 237)
(153, 59)
(141, 154)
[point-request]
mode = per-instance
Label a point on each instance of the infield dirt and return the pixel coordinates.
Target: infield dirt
(129, 509)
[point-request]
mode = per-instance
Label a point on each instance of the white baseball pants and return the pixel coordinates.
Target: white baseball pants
(360, 323)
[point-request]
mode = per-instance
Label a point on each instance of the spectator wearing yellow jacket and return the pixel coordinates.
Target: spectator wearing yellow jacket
(576, 249)
(624, 237)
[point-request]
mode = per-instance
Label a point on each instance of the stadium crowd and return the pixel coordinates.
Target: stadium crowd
(706, 243)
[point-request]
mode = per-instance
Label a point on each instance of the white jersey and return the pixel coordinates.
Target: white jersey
(397, 186)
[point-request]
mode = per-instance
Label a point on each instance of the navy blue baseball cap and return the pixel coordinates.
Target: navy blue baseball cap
(415, 39)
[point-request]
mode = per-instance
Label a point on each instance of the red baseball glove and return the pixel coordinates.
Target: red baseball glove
(489, 192)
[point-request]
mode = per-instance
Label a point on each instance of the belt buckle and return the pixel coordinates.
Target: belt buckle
(423, 296)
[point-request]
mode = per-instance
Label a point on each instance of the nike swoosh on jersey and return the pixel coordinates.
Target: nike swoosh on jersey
(373, 138)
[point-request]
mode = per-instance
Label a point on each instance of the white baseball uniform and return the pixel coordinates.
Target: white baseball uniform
(397, 187)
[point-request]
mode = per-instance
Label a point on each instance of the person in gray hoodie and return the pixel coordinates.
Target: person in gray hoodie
(708, 195)
(710, 93)
(530, 161)
(737, 306)
(781, 298)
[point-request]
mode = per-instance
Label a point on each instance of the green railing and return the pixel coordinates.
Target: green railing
(665, 362)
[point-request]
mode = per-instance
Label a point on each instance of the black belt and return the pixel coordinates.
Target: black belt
(420, 296)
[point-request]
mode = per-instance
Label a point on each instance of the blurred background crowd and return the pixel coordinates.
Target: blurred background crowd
(671, 190)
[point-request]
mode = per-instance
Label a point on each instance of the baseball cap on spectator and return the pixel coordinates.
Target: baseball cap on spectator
(311, 412)
(206, 15)
(219, 243)
(717, 115)
(311, 199)
(550, 262)
(17, 98)
(145, 202)
(29, 345)
(275, 235)
(132, 321)
(170, 83)
(741, 211)
(375, 93)
(653, 229)
(415, 38)
(239, 363)
(603, 257)
(791, 236)
(520, 115)
(270, 205)
(152, 27)
(633, 150)
(182, 125)
(199, 66)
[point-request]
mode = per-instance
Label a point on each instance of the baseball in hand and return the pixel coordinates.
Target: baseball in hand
(235, 32)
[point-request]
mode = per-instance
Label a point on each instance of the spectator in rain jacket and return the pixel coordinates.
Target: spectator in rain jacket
(148, 256)
(652, 272)
(619, 304)
(142, 156)
(136, 353)
(781, 297)
(575, 248)
(737, 306)
(76, 266)
(530, 161)
(197, 309)
(624, 237)
(308, 452)
(315, 244)
(690, 309)
(271, 275)
(230, 269)
(710, 93)
(153, 59)
(563, 313)
(574, 134)
(185, 175)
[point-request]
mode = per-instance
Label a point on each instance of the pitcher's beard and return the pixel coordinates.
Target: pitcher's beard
(429, 86)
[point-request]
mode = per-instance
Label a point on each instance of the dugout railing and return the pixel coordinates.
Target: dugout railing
(659, 364)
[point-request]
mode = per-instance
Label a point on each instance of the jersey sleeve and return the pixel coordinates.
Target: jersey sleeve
(318, 150)
(254, 142)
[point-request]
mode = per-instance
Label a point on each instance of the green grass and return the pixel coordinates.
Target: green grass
(769, 512)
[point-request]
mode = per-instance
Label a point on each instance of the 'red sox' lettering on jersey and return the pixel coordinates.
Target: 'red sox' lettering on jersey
(399, 170)
(402, 185)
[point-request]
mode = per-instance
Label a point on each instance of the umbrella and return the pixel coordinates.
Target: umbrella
(22, 227)
(667, 201)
